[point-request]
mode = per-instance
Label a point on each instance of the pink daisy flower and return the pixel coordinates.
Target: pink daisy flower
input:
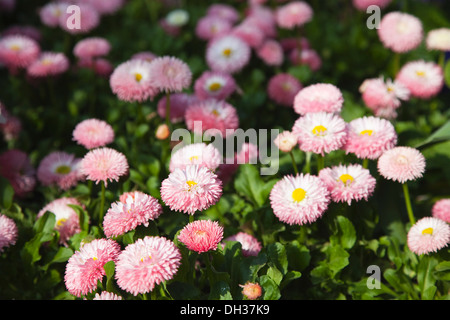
(227, 53)
(294, 14)
(286, 141)
(170, 74)
(441, 210)
(282, 88)
(423, 79)
(248, 153)
(67, 221)
(105, 295)
(100, 66)
(362, 5)
(85, 268)
(146, 263)
(370, 137)
(93, 133)
(299, 199)
(400, 32)
(320, 132)
(264, 19)
(50, 14)
(428, 235)
(383, 97)
(104, 164)
(91, 47)
(18, 51)
(307, 56)
(192, 189)
(144, 55)
(348, 183)
(438, 39)
(89, 19)
(179, 102)
(320, 97)
(59, 168)
(251, 291)
(15, 165)
(106, 7)
(401, 164)
(250, 245)
(48, 64)
(201, 235)
(249, 32)
(212, 114)
(8, 232)
(209, 27)
(131, 81)
(271, 52)
(23, 30)
(201, 154)
(216, 85)
(133, 209)
(224, 11)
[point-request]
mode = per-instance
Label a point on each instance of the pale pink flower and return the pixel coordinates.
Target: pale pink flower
(85, 268)
(104, 164)
(91, 47)
(201, 235)
(48, 64)
(264, 19)
(282, 88)
(216, 85)
(308, 57)
(320, 97)
(201, 154)
(131, 81)
(441, 209)
(194, 188)
(170, 74)
(89, 19)
(18, 51)
(59, 168)
(100, 66)
(15, 165)
(251, 291)
(67, 221)
(23, 30)
(146, 263)
(370, 137)
(401, 164)
(300, 199)
(249, 244)
(134, 209)
(209, 27)
(293, 14)
(320, 132)
(106, 7)
(362, 5)
(179, 102)
(383, 97)
(93, 133)
(423, 79)
(249, 32)
(50, 14)
(105, 295)
(271, 52)
(227, 53)
(400, 32)
(212, 115)
(144, 55)
(347, 183)
(438, 39)
(286, 141)
(224, 11)
(8, 232)
(428, 235)
(248, 153)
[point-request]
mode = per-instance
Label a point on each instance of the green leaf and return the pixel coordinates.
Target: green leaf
(249, 184)
(425, 277)
(345, 234)
(275, 274)
(109, 268)
(440, 135)
(220, 291)
(270, 288)
(276, 252)
(7, 193)
(447, 73)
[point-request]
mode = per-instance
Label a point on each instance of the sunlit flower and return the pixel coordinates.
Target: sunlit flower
(286, 141)
(293, 14)
(201, 154)
(201, 235)
(428, 235)
(18, 51)
(401, 164)
(216, 85)
(438, 39)
(249, 244)
(282, 88)
(169, 74)
(91, 47)
(48, 64)
(441, 210)
(227, 53)
(93, 133)
(251, 291)
(320, 97)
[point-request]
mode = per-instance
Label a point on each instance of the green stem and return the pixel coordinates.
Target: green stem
(308, 162)
(320, 162)
(396, 67)
(408, 204)
(102, 201)
(168, 109)
(365, 163)
(442, 59)
(302, 236)
(293, 162)
(191, 218)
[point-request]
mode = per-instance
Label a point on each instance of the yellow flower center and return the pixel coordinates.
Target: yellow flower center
(319, 130)
(368, 132)
(60, 222)
(145, 258)
(216, 113)
(427, 231)
(227, 52)
(95, 258)
(63, 169)
(346, 179)
(420, 73)
(138, 77)
(215, 86)
(15, 47)
(298, 195)
(192, 159)
(46, 62)
(191, 184)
